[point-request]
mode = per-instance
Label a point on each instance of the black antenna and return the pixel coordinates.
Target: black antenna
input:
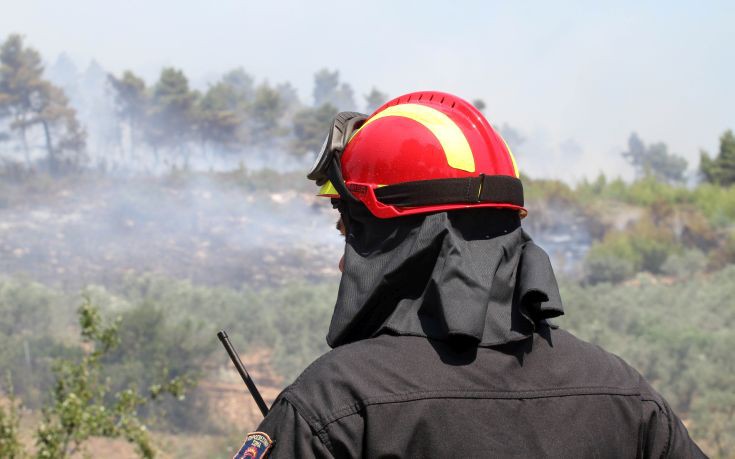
(222, 335)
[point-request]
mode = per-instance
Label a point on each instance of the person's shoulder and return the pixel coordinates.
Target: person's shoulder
(594, 364)
(347, 375)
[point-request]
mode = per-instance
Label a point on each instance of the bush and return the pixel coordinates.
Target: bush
(606, 263)
(685, 264)
(642, 247)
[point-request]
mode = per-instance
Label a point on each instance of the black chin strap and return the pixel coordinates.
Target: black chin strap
(499, 189)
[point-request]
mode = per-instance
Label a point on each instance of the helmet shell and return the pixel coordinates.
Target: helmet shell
(422, 136)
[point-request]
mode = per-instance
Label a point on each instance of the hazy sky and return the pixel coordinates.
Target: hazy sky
(573, 78)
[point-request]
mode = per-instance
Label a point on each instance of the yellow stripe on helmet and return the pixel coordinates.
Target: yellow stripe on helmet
(450, 136)
(512, 158)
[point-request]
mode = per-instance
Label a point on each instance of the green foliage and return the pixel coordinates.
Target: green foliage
(131, 100)
(613, 261)
(643, 247)
(291, 319)
(220, 115)
(172, 110)
(32, 324)
(717, 203)
(687, 263)
(549, 190)
(299, 325)
(266, 112)
(10, 445)
(720, 170)
(79, 407)
(166, 356)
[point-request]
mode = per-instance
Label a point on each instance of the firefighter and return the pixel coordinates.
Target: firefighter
(442, 345)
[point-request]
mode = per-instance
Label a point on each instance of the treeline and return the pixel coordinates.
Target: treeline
(233, 115)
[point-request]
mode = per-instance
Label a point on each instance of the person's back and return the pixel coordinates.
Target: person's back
(405, 396)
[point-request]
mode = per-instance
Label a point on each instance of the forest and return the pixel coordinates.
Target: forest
(137, 219)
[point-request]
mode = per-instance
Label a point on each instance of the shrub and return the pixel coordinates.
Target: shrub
(608, 263)
(685, 264)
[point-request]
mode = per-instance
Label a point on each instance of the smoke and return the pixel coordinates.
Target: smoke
(98, 230)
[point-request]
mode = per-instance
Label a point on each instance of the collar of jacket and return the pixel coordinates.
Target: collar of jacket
(462, 275)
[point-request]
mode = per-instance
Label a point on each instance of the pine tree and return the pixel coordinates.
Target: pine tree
(172, 111)
(220, 116)
(654, 160)
(33, 102)
(720, 170)
(131, 98)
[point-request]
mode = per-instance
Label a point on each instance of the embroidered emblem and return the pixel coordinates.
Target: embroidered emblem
(256, 446)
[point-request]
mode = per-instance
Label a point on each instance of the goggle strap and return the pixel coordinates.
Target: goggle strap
(335, 176)
(497, 189)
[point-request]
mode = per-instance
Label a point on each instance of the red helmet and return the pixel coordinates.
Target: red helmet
(418, 153)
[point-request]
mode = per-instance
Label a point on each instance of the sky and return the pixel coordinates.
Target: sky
(575, 78)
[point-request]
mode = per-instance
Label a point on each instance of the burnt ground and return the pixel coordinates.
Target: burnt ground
(76, 232)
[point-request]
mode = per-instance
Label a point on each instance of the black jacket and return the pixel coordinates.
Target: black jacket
(442, 348)
(412, 397)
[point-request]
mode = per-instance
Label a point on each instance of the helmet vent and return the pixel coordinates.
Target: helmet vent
(441, 101)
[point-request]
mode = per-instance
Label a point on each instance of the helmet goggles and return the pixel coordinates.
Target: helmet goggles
(343, 126)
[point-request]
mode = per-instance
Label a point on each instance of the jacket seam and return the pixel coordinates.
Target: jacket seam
(490, 395)
(311, 421)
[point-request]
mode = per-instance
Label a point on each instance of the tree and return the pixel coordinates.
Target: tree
(20, 79)
(172, 111)
(720, 170)
(289, 96)
(58, 120)
(374, 100)
(265, 115)
(131, 100)
(654, 160)
(309, 128)
(32, 101)
(325, 84)
(10, 445)
(82, 405)
(241, 82)
(220, 115)
(328, 90)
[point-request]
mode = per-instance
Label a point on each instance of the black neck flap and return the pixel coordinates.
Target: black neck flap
(466, 275)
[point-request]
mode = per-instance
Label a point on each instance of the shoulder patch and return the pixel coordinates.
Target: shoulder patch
(256, 446)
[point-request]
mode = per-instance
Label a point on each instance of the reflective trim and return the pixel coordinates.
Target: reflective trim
(328, 190)
(450, 136)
